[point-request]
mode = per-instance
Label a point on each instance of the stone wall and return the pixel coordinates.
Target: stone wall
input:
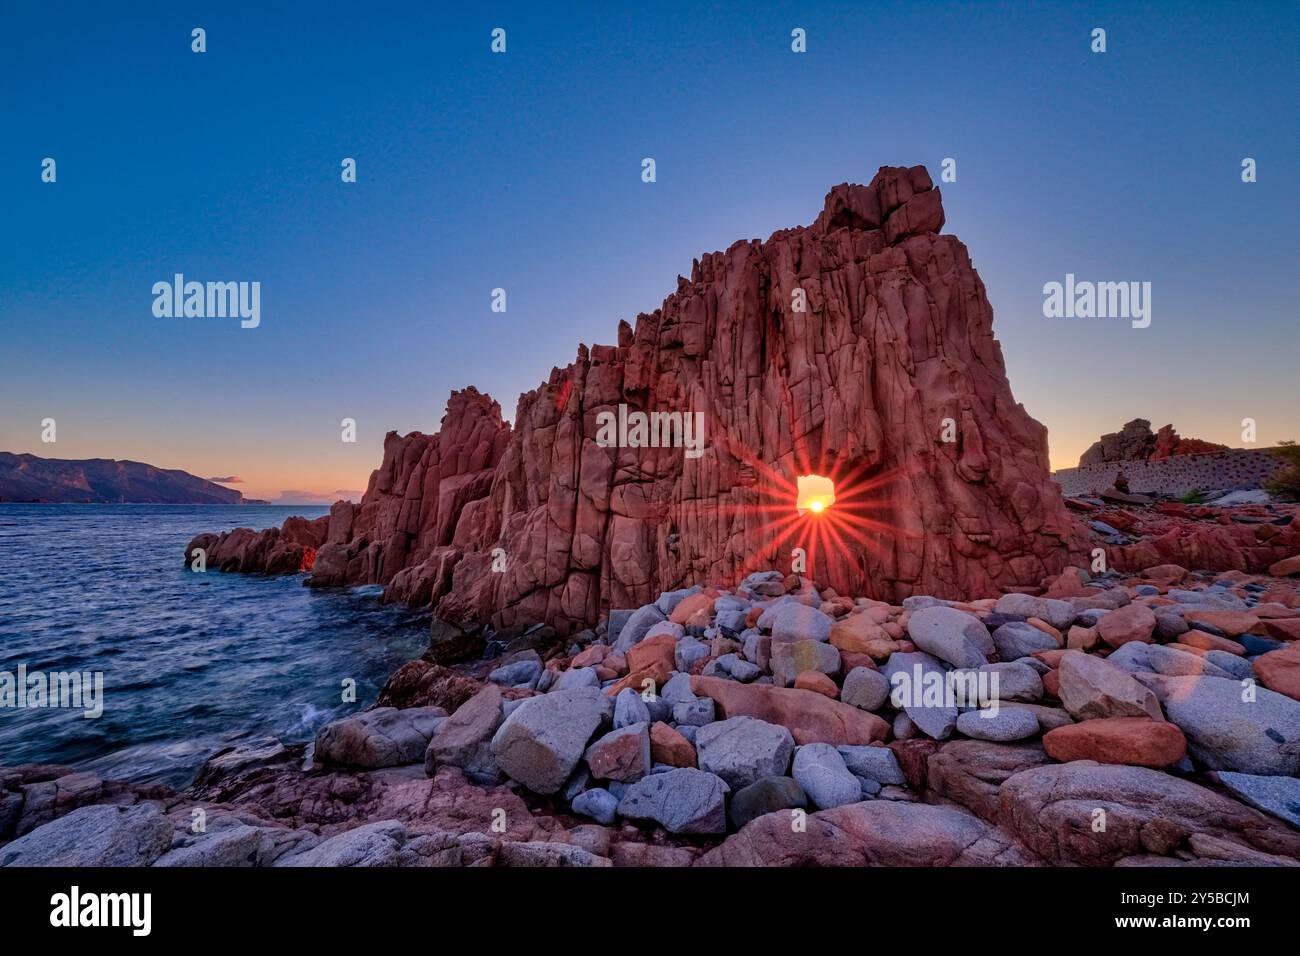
(1232, 470)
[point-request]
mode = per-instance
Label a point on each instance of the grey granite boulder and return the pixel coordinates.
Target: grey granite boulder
(919, 687)
(1092, 688)
(1049, 718)
(1279, 796)
(1059, 614)
(1011, 680)
(689, 652)
(1235, 666)
(873, 763)
(1170, 624)
(100, 835)
(1211, 599)
(576, 677)
(742, 750)
(765, 796)
(1132, 657)
(1001, 725)
(598, 804)
(542, 741)
(617, 620)
(865, 688)
(953, 636)
(1018, 639)
(694, 713)
(1232, 725)
(634, 630)
(229, 841)
(522, 672)
(1174, 663)
(684, 800)
(371, 845)
(792, 658)
(820, 771)
(789, 620)
(545, 854)
(630, 709)
(764, 584)
(465, 738)
(383, 737)
(677, 690)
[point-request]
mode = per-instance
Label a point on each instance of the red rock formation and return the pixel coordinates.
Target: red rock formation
(282, 550)
(895, 348)
(1217, 543)
(1136, 442)
(1170, 443)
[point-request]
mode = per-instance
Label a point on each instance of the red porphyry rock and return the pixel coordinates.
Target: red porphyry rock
(670, 747)
(694, 604)
(591, 656)
(1072, 582)
(1210, 642)
(1231, 623)
(1137, 741)
(651, 660)
(896, 338)
(1285, 567)
(1287, 629)
(1280, 670)
(1051, 658)
(817, 682)
(1133, 622)
(810, 717)
(1170, 443)
(1165, 573)
(1206, 538)
(1136, 442)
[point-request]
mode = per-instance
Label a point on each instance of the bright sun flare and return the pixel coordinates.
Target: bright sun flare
(815, 494)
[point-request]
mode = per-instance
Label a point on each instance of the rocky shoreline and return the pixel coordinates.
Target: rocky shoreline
(1149, 719)
(964, 668)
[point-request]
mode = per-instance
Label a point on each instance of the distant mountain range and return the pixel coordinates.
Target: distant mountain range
(27, 478)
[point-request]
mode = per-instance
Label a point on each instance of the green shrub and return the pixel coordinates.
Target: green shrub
(1285, 482)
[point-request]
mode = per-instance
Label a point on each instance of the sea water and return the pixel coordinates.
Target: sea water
(191, 662)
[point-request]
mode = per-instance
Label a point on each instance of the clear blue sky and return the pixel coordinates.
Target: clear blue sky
(523, 171)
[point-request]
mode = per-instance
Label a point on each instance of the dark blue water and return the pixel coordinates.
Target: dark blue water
(191, 662)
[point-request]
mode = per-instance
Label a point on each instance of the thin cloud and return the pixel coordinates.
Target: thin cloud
(300, 497)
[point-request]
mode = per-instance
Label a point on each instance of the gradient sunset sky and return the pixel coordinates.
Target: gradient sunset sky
(522, 171)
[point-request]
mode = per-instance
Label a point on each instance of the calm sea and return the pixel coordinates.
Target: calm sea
(191, 662)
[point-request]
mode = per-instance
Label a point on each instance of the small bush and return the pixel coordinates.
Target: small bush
(1285, 482)
(1193, 497)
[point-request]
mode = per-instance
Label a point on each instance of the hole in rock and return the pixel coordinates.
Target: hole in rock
(816, 494)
